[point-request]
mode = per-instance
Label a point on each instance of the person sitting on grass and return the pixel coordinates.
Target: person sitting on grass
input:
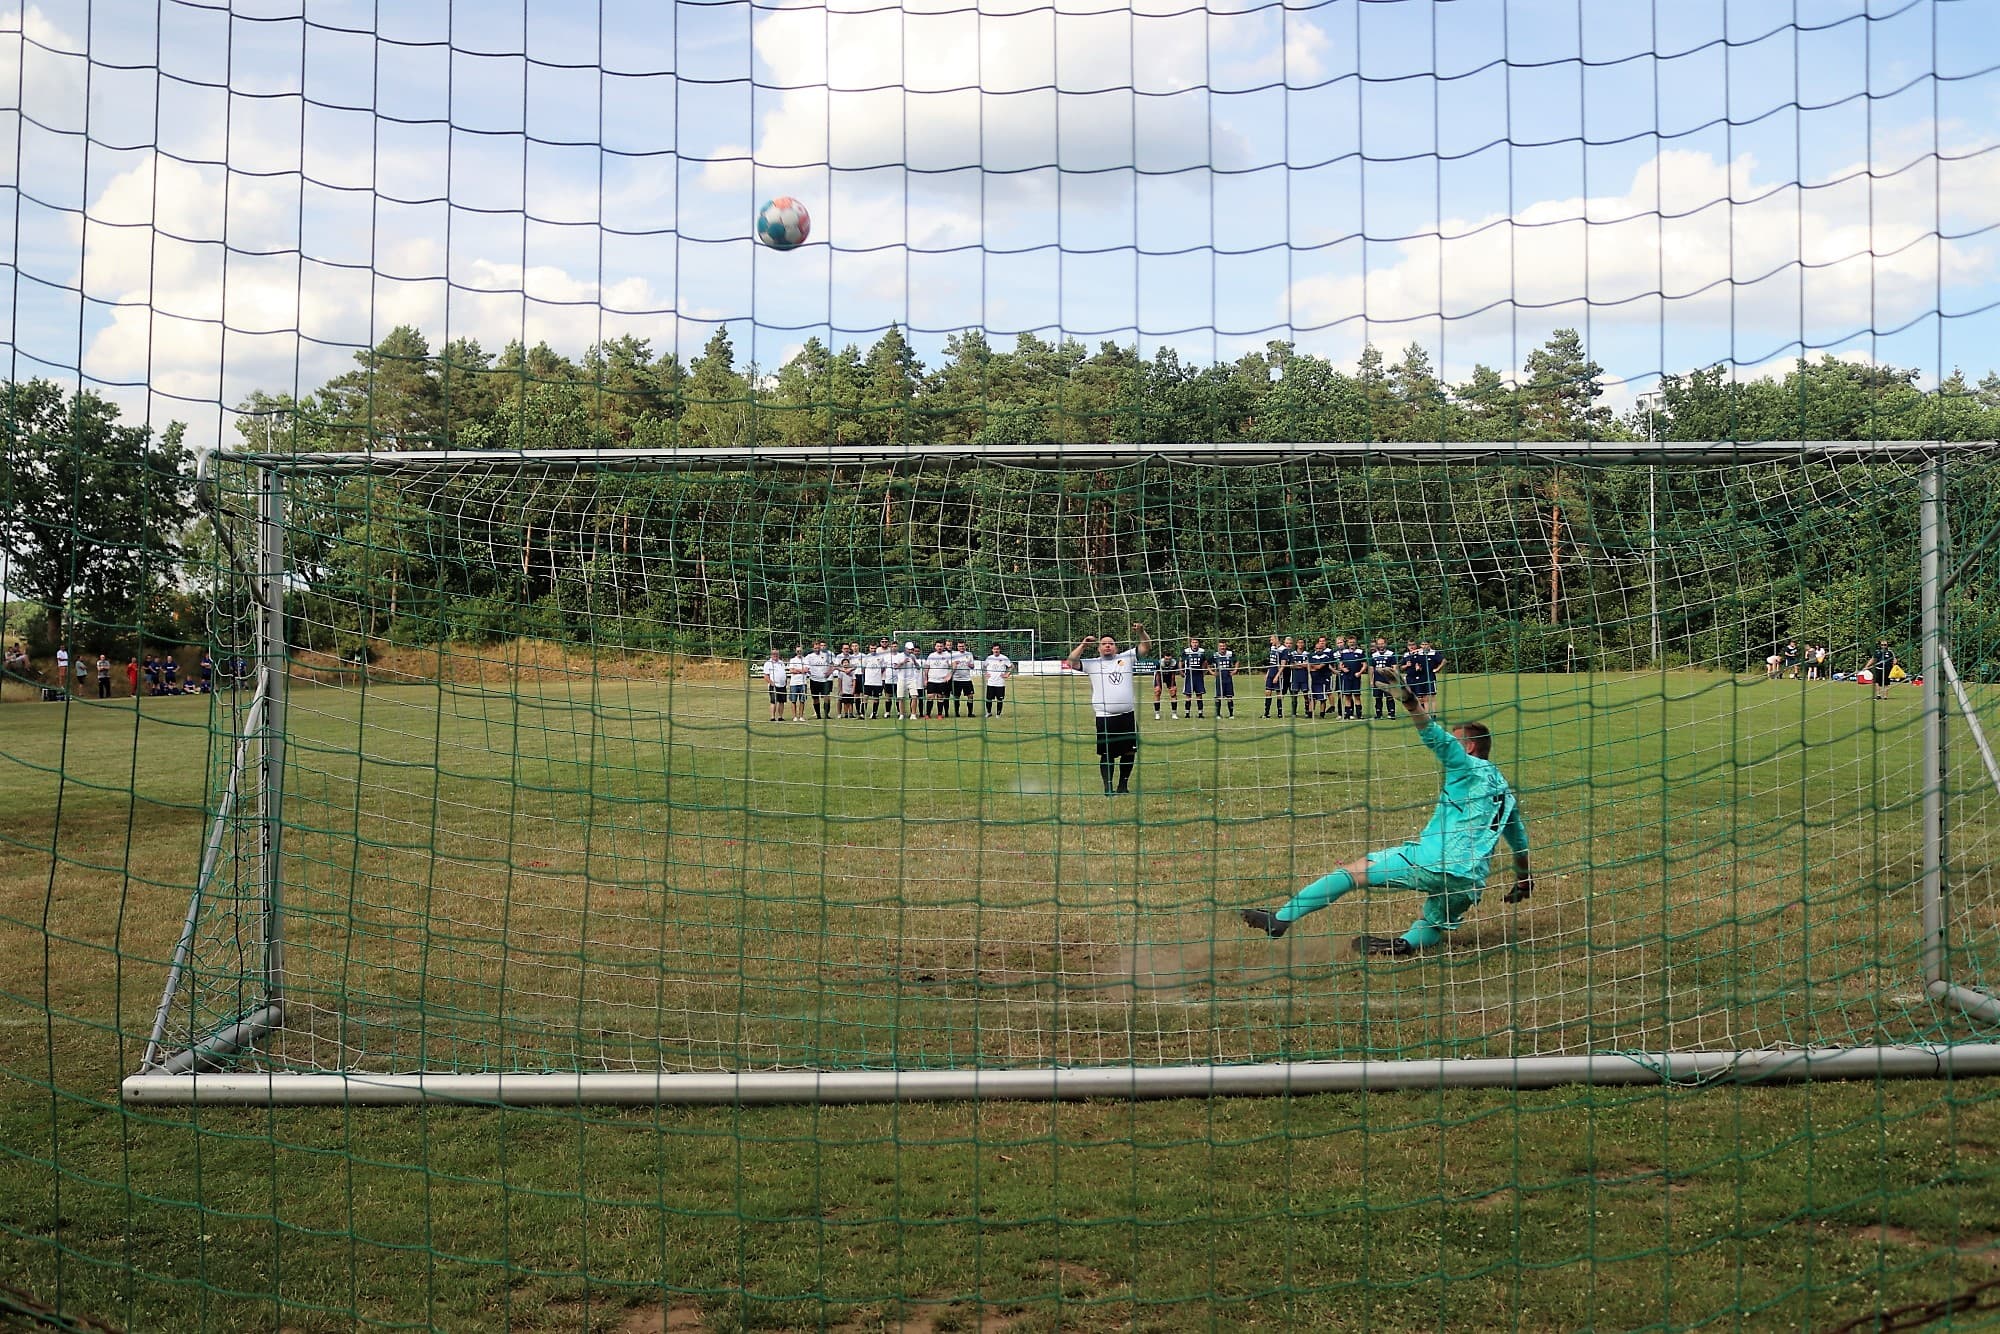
(1449, 862)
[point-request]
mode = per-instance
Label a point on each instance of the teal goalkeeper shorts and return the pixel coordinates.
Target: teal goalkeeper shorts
(1447, 898)
(1418, 866)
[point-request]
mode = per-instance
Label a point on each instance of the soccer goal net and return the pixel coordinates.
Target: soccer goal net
(499, 816)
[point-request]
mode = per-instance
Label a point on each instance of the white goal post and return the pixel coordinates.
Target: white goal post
(1073, 999)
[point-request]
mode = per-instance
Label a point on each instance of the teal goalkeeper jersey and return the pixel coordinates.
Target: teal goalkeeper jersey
(1474, 811)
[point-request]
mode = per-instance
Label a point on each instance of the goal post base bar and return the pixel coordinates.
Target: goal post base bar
(1124, 1082)
(1976, 1003)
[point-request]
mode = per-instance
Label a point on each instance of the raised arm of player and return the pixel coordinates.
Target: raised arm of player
(1145, 640)
(1076, 654)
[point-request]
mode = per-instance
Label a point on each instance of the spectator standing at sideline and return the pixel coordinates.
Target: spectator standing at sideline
(132, 677)
(1880, 663)
(103, 677)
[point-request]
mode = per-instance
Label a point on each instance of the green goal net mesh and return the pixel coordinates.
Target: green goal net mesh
(537, 815)
(422, 423)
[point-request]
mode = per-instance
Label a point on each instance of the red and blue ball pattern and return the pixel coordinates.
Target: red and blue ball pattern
(783, 223)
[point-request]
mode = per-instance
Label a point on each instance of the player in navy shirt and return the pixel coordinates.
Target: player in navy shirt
(1167, 676)
(1299, 677)
(1433, 662)
(1194, 678)
(1225, 677)
(1348, 661)
(1319, 663)
(1382, 658)
(1274, 677)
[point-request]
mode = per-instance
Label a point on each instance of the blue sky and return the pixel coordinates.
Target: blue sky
(204, 203)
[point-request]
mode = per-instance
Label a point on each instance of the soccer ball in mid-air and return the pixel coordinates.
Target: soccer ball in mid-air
(783, 223)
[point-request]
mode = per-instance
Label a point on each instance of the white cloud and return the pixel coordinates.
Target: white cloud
(1850, 254)
(46, 62)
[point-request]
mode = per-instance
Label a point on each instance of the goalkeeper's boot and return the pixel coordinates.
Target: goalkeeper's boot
(1264, 920)
(1393, 946)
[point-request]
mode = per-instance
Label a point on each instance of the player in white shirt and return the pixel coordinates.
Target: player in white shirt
(795, 684)
(1114, 701)
(962, 672)
(937, 681)
(910, 677)
(819, 679)
(847, 673)
(872, 663)
(774, 680)
(998, 667)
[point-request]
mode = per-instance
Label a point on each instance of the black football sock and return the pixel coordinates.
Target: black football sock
(1125, 765)
(1104, 767)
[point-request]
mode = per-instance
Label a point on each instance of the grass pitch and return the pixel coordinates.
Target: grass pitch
(585, 873)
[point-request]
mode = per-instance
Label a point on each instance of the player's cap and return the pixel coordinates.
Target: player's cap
(909, 643)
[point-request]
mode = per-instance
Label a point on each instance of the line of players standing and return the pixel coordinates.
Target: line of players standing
(863, 681)
(883, 681)
(1327, 677)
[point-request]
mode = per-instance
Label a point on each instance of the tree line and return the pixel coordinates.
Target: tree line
(1515, 564)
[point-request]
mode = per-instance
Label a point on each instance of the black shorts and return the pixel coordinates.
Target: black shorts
(777, 694)
(1320, 681)
(1274, 680)
(1117, 735)
(1196, 683)
(1425, 688)
(1295, 682)
(938, 689)
(1225, 685)
(1350, 685)
(873, 692)
(962, 688)
(996, 692)
(820, 687)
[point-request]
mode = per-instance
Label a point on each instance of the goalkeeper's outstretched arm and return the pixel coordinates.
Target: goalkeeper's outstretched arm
(1420, 717)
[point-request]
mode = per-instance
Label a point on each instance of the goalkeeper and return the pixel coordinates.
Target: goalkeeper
(1448, 862)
